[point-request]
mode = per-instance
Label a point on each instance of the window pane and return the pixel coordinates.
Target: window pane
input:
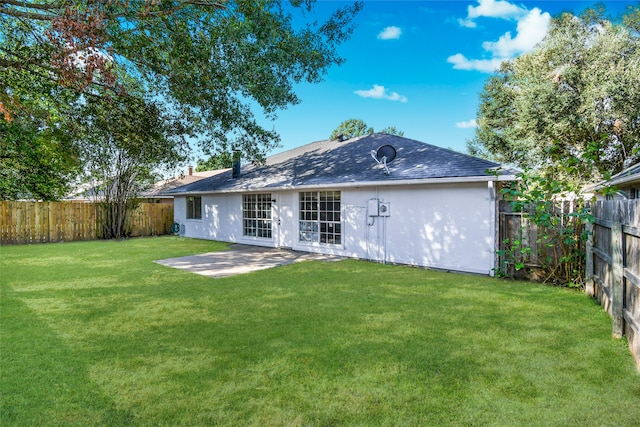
(197, 207)
(308, 231)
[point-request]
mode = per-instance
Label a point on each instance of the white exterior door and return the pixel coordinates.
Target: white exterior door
(284, 222)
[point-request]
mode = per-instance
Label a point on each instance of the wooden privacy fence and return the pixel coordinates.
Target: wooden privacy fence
(522, 243)
(613, 266)
(41, 222)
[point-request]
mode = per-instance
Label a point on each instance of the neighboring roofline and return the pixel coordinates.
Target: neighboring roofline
(388, 183)
(158, 189)
(630, 175)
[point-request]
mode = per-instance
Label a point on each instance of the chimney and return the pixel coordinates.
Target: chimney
(235, 166)
(190, 170)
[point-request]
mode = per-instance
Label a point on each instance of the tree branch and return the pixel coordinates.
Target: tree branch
(47, 12)
(26, 15)
(38, 6)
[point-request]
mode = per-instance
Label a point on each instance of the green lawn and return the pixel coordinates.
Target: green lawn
(96, 333)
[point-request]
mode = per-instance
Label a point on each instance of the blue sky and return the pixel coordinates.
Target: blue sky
(419, 66)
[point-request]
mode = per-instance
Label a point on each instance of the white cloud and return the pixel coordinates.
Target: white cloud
(461, 62)
(390, 33)
(495, 9)
(531, 28)
(467, 23)
(530, 31)
(380, 92)
(467, 125)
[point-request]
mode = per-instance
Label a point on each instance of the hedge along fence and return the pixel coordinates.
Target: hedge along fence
(42, 222)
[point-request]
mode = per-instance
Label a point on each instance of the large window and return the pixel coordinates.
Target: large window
(320, 217)
(256, 215)
(194, 207)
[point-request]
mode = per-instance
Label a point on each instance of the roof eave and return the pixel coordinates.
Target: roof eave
(358, 184)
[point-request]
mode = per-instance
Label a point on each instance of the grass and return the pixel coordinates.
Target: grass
(95, 333)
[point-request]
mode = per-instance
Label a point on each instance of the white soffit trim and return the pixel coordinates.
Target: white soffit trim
(360, 184)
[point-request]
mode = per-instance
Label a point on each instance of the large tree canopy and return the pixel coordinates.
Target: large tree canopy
(574, 100)
(38, 154)
(37, 160)
(208, 61)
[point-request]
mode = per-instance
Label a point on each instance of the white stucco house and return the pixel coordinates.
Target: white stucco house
(430, 207)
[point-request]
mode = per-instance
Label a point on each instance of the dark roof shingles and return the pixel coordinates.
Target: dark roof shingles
(331, 162)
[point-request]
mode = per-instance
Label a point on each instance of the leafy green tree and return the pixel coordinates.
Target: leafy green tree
(38, 157)
(122, 143)
(352, 128)
(210, 61)
(215, 161)
(35, 165)
(567, 113)
(574, 99)
(391, 130)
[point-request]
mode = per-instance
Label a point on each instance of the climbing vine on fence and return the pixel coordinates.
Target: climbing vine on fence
(558, 213)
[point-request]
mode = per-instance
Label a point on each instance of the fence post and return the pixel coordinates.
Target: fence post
(589, 287)
(617, 274)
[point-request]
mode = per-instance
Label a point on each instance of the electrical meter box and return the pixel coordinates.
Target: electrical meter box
(372, 207)
(384, 209)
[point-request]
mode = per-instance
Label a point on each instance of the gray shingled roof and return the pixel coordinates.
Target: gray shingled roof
(327, 163)
(627, 177)
(160, 188)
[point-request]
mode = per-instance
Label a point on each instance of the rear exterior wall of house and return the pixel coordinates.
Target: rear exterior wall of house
(444, 226)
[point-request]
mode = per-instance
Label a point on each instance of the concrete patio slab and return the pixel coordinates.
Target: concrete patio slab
(240, 259)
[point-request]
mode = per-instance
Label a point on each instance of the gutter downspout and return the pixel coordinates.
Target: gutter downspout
(493, 221)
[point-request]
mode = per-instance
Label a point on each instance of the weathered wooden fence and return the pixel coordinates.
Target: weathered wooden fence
(513, 226)
(613, 266)
(521, 242)
(40, 222)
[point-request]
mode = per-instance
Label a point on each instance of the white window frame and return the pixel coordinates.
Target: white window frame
(320, 218)
(257, 216)
(193, 208)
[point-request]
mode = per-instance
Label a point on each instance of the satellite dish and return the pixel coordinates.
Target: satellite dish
(384, 155)
(386, 151)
